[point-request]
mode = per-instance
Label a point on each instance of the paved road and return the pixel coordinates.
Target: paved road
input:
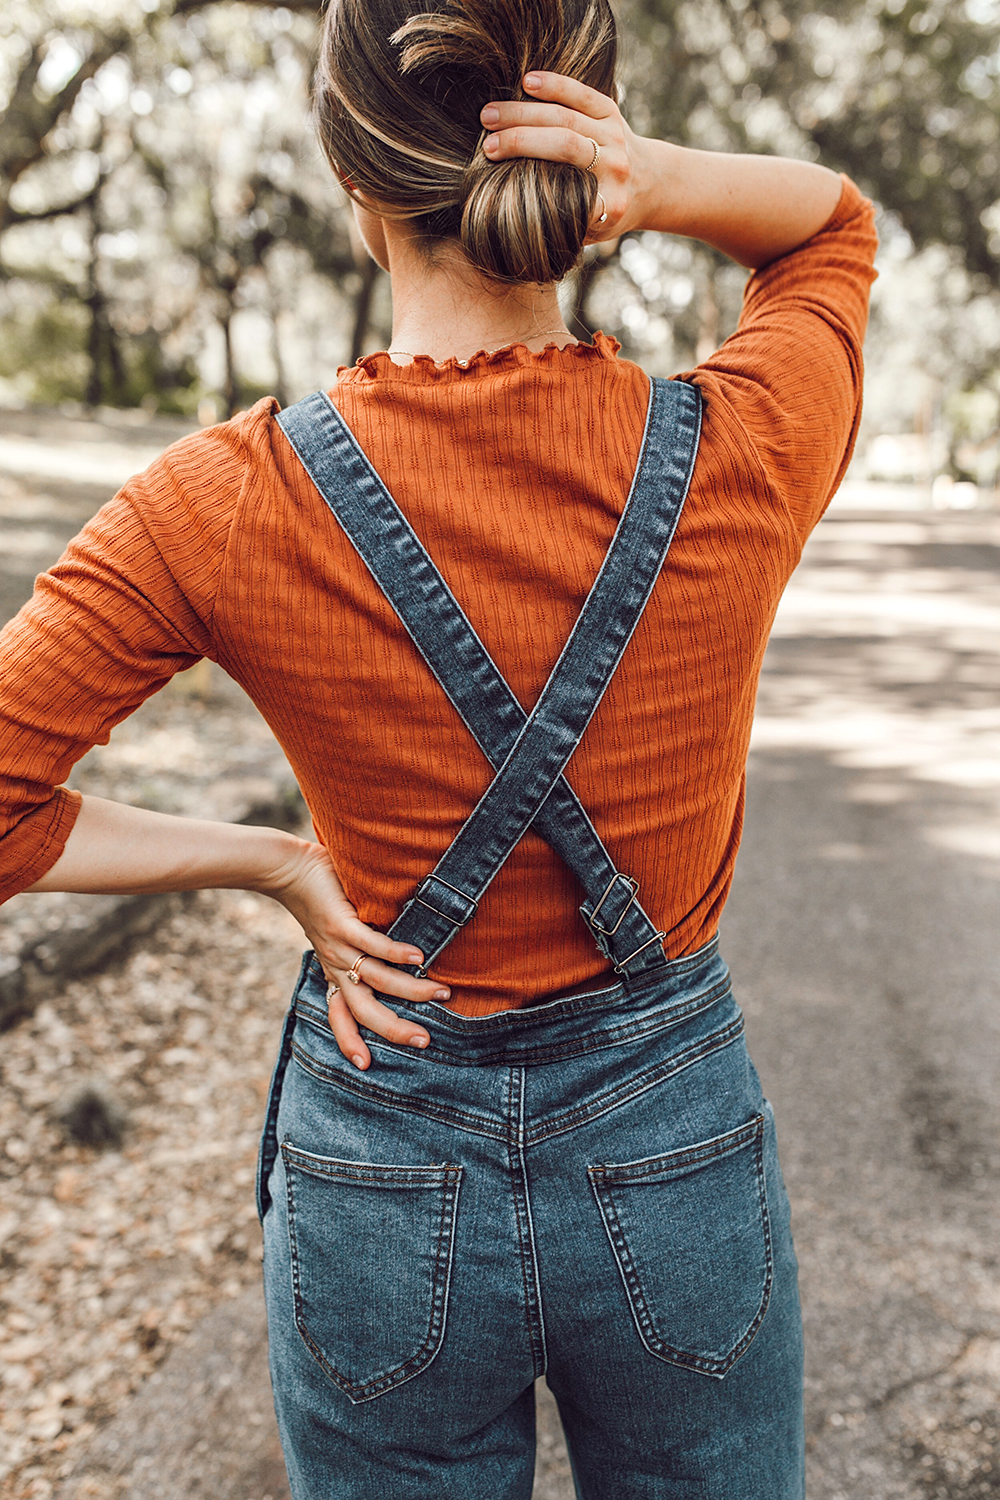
(863, 937)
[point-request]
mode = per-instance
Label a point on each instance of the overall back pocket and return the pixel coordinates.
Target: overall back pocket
(691, 1236)
(371, 1253)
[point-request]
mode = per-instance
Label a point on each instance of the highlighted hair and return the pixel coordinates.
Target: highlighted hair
(398, 96)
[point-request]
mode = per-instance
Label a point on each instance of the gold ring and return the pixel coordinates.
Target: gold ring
(352, 972)
(331, 990)
(604, 216)
(597, 154)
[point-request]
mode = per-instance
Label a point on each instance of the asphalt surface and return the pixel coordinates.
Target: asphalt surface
(864, 942)
(863, 937)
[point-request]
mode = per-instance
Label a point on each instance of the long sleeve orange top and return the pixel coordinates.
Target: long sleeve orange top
(514, 471)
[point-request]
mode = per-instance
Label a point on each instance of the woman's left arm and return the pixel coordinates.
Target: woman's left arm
(123, 610)
(117, 849)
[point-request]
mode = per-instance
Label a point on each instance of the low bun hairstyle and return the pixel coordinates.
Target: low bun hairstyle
(399, 90)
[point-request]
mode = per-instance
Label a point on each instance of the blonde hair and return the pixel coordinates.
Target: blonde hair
(398, 96)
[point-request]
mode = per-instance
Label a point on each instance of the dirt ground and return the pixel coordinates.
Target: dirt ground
(110, 1256)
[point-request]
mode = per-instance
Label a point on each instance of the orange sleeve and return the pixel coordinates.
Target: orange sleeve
(792, 372)
(128, 604)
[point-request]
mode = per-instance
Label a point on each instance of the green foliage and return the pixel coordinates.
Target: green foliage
(902, 94)
(158, 163)
(973, 415)
(45, 355)
(151, 380)
(43, 351)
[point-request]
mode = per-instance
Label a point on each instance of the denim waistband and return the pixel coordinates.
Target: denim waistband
(602, 1017)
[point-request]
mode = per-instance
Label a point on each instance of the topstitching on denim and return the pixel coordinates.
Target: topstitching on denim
(547, 1126)
(447, 1180)
(471, 1040)
(522, 1052)
(603, 1179)
(531, 751)
(696, 1022)
(521, 1192)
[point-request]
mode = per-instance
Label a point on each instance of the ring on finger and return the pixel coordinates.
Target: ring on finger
(597, 155)
(604, 210)
(353, 972)
(331, 990)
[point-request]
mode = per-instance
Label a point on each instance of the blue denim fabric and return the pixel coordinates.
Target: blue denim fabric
(588, 1190)
(528, 751)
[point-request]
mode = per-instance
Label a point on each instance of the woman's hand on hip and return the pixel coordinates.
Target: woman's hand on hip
(563, 121)
(344, 945)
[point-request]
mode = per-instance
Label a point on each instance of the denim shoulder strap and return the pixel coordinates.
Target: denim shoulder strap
(529, 750)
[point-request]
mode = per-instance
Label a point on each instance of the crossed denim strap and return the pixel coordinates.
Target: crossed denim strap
(529, 751)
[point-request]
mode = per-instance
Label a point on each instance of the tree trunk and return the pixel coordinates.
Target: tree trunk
(708, 313)
(230, 387)
(274, 310)
(95, 302)
(116, 364)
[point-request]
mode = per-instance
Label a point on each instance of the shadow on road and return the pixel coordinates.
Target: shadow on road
(863, 937)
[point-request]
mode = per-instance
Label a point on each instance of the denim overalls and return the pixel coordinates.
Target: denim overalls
(586, 1189)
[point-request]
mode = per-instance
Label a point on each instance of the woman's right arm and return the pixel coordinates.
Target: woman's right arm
(784, 392)
(753, 208)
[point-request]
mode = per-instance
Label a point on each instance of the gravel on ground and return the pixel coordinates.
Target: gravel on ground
(108, 1257)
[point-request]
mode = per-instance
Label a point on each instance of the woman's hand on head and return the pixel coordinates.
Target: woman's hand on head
(561, 122)
(313, 894)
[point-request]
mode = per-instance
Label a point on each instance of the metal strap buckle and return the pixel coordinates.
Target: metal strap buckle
(458, 921)
(633, 886)
(656, 938)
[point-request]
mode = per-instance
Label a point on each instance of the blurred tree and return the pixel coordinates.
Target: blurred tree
(153, 169)
(169, 91)
(902, 94)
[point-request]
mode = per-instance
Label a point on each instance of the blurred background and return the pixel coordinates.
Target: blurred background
(171, 240)
(173, 247)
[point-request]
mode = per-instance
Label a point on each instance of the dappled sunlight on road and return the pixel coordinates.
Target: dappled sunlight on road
(886, 657)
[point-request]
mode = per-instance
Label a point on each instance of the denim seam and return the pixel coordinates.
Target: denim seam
(599, 1041)
(440, 1288)
(571, 1120)
(640, 1084)
(549, 1011)
(522, 1215)
(406, 1103)
(267, 1152)
(604, 1040)
(671, 1162)
(369, 1172)
(641, 1311)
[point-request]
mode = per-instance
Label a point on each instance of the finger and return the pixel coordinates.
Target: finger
(371, 1013)
(345, 1030)
(541, 145)
(379, 976)
(509, 112)
(344, 1016)
(352, 933)
(569, 91)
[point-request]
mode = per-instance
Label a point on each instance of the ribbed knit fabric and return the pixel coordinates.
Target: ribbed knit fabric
(513, 471)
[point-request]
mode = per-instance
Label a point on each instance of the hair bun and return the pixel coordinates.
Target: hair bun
(526, 220)
(399, 90)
